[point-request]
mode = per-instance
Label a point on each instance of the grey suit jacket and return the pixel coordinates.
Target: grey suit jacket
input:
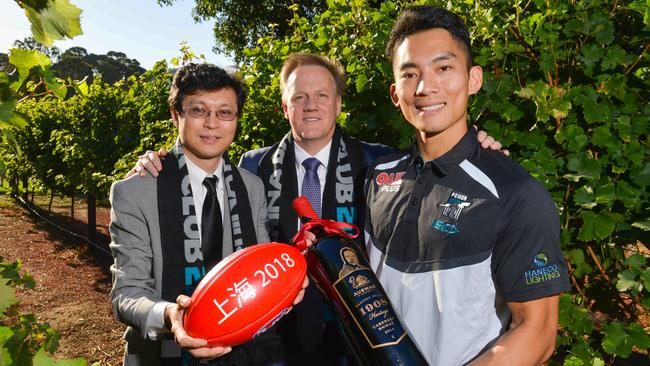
(137, 253)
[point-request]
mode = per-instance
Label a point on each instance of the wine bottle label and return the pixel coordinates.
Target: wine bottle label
(370, 308)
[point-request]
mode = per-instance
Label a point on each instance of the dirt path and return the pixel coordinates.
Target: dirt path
(72, 281)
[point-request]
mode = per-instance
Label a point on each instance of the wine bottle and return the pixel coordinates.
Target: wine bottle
(363, 311)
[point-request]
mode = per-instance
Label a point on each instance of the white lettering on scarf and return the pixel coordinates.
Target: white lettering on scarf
(192, 242)
(274, 180)
(238, 241)
(344, 185)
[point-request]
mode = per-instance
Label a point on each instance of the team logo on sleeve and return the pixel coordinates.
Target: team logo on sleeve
(389, 182)
(452, 210)
(542, 271)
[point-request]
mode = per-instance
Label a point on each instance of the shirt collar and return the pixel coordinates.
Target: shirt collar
(197, 175)
(461, 151)
(323, 155)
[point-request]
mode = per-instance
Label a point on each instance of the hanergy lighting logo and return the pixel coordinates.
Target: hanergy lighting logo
(542, 272)
(389, 182)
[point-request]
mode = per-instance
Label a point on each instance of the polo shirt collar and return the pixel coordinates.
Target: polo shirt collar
(461, 151)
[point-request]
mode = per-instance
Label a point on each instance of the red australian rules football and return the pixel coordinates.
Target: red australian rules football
(245, 294)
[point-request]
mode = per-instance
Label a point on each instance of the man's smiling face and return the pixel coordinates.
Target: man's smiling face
(205, 139)
(311, 104)
(432, 82)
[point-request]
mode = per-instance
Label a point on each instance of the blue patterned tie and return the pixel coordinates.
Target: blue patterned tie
(309, 314)
(311, 183)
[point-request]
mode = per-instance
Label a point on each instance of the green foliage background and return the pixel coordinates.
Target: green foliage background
(566, 89)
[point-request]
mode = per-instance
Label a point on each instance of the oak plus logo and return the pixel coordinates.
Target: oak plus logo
(389, 182)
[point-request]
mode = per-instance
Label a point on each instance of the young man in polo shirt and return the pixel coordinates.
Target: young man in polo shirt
(464, 240)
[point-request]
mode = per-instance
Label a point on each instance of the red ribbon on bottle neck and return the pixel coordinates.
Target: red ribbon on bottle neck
(329, 227)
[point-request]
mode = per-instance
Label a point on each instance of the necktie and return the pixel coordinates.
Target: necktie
(311, 183)
(211, 227)
(309, 314)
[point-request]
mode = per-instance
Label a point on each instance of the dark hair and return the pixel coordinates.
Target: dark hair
(421, 18)
(298, 59)
(194, 78)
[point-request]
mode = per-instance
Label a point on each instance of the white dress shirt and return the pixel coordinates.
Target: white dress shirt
(323, 157)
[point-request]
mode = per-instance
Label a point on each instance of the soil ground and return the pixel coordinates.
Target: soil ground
(72, 278)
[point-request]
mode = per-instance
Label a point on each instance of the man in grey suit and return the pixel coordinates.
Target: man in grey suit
(161, 228)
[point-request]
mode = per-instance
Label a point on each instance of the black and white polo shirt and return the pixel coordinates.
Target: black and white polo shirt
(453, 239)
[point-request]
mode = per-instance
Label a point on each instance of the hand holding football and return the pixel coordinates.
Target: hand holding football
(245, 294)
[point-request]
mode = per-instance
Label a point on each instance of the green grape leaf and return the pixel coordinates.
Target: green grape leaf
(604, 31)
(635, 261)
(641, 175)
(5, 335)
(603, 137)
(595, 112)
(54, 84)
(510, 111)
(565, 307)
(361, 82)
(591, 54)
(59, 20)
(638, 336)
(645, 278)
(605, 193)
(7, 112)
(643, 225)
(7, 296)
(626, 194)
(623, 127)
(577, 320)
(627, 281)
(577, 256)
(584, 167)
(584, 196)
(25, 60)
(42, 359)
(604, 225)
(81, 88)
(616, 340)
(586, 232)
(615, 56)
(17, 121)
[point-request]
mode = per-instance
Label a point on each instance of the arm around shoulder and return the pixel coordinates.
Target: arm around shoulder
(250, 159)
(257, 200)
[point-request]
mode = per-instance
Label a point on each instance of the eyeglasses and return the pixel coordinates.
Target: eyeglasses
(200, 112)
